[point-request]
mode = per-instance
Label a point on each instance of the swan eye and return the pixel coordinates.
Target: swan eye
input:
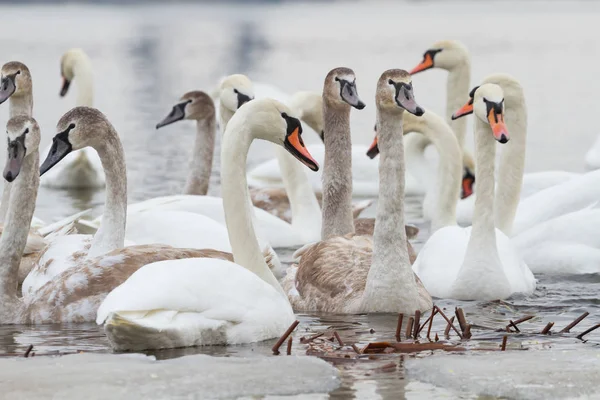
(26, 131)
(235, 91)
(337, 79)
(71, 126)
(391, 82)
(284, 115)
(19, 72)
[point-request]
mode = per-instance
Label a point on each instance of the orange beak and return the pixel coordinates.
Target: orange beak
(426, 64)
(467, 187)
(498, 126)
(373, 149)
(294, 144)
(464, 110)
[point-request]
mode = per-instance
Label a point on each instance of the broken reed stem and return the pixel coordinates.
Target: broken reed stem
(547, 328)
(356, 349)
(427, 320)
(567, 328)
(467, 332)
(310, 339)
(510, 323)
(460, 316)
(29, 348)
(448, 321)
(504, 340)
(520, 320)
(417, 322)
(289, 347)
(409, 327)
(282, 339)
(593, 328)
(399, 327)
(338, 338)
(430, 323)
(447, 330)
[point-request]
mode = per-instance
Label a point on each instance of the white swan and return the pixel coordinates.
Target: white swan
(209, 302)
(347, 273)
(479, 262)
(453, 56)
(81, 169)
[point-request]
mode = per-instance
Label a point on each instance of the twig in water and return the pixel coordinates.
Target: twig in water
(447, 330)
(593, 328)
(289, 347)
(504, 340)
(430, 323)
(448, 321)
(356, 349)
(399, 327)
(467, 332)
(520, 320)
(282, 339)
(338, 338)
(462, 321)
(510, 323)
(547, 328)
(311, 338)
(568, 328)
(417, 322)
(409, 326)
(29, 348)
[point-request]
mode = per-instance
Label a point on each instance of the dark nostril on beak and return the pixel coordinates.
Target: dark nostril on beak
(503, 138)
(9, 176)
(420, 111)
(360, 105)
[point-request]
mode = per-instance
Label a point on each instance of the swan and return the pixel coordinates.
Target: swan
(592, 156)
(347, 273)
(478, 262)
(81, 169)
(453, 56)
(208, 301)
(75, 294)
(364, 173)
(168, 227)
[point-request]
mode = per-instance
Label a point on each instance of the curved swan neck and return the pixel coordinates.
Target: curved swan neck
(483, 232)
(337, 172)
(85, 83)
(457, 90)
(390, 280)
(449, 173)
(225, 115)
(18, 105)
(238, 213)
(306, 212)
(16, 230)
(198, 178)
(111, 234)
(512, 164)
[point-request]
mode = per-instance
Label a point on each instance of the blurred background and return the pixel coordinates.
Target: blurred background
(146, 54)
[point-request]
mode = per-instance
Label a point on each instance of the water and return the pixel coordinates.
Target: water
(145, 58)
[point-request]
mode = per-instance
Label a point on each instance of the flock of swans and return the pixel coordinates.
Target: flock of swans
(191, 269)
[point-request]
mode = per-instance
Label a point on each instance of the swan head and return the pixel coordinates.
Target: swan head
(487, 103)
(340, 88)
(15, 80)
(196, 105)
(23, 139)
(446, 54)
(80, 127)
(271, 120)
(68, 62)
(236, 90)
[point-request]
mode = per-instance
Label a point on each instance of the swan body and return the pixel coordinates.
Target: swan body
(479, 262)
(345, 272)
(81, 169)
(211, 301)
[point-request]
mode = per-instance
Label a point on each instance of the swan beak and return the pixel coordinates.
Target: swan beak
(496, 120)
(7, 87)
(294, 144)
(176, 114)
(16, 154)
(406, 99)
(464, 110)
(373, 149)
(59, 150)
(467, 184)
(426, 64)
(65, 87)
(242, 99)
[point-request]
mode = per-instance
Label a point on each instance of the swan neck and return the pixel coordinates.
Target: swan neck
(511, 166)
(16, 228)
(198, 178)
(85, 84)
(305, 209)
(337, 172)
(390, 280)
(225, 115)
(111, 234)
(449, 174)
(459, 79)
(238, 213)
(483, 234)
